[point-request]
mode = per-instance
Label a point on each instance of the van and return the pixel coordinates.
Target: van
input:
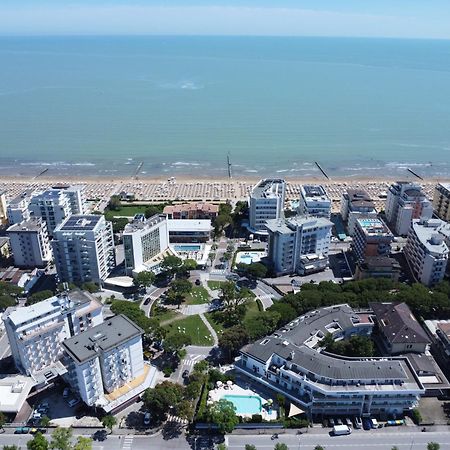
(340, 430)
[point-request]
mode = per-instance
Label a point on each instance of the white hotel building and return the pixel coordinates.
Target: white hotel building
(266, 202)
(291, 362)
(104, 359)
(36, 332)
(299, 244)
(426, 250)
(314, 201)
(406, 201)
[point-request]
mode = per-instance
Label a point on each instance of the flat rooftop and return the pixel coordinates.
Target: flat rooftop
(31, 226)
(314, 192)
(81, 222)
(374, 226)
(427, 231)
(269, 188)
(106, 336)
(189, 225)
(140, 223)
(289, 225)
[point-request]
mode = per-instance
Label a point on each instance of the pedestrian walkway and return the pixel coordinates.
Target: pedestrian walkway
(210, 329)
(191, 362)
(127, 443)
(176, 419)
(218, 271)
(266, 300)
(193, 310)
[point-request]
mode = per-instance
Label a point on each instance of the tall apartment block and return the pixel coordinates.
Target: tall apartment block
(29, 243)
(36, 332)
(145, 242)
(83, 248)
(406, 201)
(426, 251)
(17, 209)
(314, 201)
(371, 238)
(441, 201)
(299, 244)
(104, 358)
(356, 203)
(266, 202)
(56, 204)
(3, 213)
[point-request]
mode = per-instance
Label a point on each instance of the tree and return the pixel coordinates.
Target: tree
(152, 210)
(178, 290)
(223, 414)
(319, 447)
(90, 287)
(416, 416)
(83, 443)
(109, 421)
(39, 297)
(10, 447)
(61, 438)
(433, 446)
(174, 342)
(254, 270)
(114, 203)
(250, 447)
(144, 279)
(162, 398)
(189, 264)
(38, 442)
(281, 446)
(185, 410)
(222, 446)
(230, 296)
(394, 447)
(233, 339)
(171, 264)
(45, 421)
(211, 257)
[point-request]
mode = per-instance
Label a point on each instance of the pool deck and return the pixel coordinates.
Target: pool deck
(243, 257)
(220, 392)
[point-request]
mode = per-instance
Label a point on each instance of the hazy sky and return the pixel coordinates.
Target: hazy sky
(386, 18)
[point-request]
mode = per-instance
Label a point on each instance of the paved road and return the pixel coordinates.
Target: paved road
(366, 440)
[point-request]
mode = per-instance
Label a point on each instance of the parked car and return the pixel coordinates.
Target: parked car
(367, 423)
(38, 430)
(374, 423)
(66, 392)
(339, 421)
(99, 435)
(393, 423)
(340, 430)
(21, 430)
(147, 301)
(197, 282)
(147, 417)
(185, 373)
(36, 415)
(348, 422)
(73, 402)
(358, 423)
(331, 422)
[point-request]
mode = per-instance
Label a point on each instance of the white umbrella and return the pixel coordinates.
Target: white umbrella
(229, 382)
(218, 383)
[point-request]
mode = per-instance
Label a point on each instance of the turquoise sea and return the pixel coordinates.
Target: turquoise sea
(102, 105)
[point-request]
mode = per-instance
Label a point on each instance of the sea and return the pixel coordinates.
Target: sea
(180, 106)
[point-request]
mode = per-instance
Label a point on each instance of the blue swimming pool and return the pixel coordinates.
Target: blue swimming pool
(187, 248)
(245, 404)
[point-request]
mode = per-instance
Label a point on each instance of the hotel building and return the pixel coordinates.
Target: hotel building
(83, 248)
(406, 201)
(29, 243)
(371, 238)
(299, 244)
(266, 202)
(314, 201)
(3, 213)
(292, 362)
(441, 201)
(426, 251)
(17, 209)
(191, 211)
(356, 203)
(36, 332)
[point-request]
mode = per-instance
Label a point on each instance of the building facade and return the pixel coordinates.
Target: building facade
(30, 243)
(371, 238)
(192, 211)
(406, 201)
(36, 332)
(356, 203)
(378, 267)
(426, 251)
(83, 248)
(299, 244)
(266, 202)
(314, 201)
(104, 358)
(189, 230)
(3, 209)
(441, 201)
(17, 209)
(292, 362)
(145, 241)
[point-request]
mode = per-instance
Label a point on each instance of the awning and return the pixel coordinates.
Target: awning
(295, 411)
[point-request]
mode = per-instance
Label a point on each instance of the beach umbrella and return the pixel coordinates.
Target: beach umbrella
(229, 382)
(219, 383)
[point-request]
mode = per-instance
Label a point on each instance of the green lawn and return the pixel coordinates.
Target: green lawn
(163, 314)
(215, 284)
(252, 309)
(218, 327)
(192, 326)
(198, 296)
(125, 210)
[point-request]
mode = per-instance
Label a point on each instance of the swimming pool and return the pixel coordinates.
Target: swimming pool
(249, 257)
(187, 248)
(245, 404)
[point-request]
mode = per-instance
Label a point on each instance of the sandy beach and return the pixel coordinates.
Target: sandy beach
(188, 189)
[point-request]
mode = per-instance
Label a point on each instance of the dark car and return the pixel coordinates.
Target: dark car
(99, 435)
(367, 424)
(197, 282)
(185, 374)
(147, 301)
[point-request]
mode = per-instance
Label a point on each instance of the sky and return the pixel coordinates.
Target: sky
(370, 18)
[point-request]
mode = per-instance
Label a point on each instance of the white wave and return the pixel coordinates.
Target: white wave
(57, 164)
(184, 163)
(251, 170)
(282, 170)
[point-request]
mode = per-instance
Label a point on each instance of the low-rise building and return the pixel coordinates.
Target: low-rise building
(426, 251)
(189, 230)
(30, 243)
(36, 332)
(105, 359)
(356, 203)
(441, 201)
(314, 201)
(406, 201)
(5, 248)
(292, 362)
(199, 210)
(378, 267)
(371, 238)
(83, 247)
(398, 328)
(299, 244)
(266, 202)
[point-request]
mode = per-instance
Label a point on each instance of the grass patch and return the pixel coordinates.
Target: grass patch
(162, 314)
(212, 319)
(192, 326)
(214, 285)
(198, 296)
(252, 309)
(125, 210)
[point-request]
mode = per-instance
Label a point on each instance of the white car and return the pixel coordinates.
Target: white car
(147, 417)
(73, 402)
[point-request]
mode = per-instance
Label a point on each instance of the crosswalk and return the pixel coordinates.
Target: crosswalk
(127, 443)
(192, 361)
(175, 419)
(218, 271)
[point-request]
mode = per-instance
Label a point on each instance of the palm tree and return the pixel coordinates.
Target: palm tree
(109, 421)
